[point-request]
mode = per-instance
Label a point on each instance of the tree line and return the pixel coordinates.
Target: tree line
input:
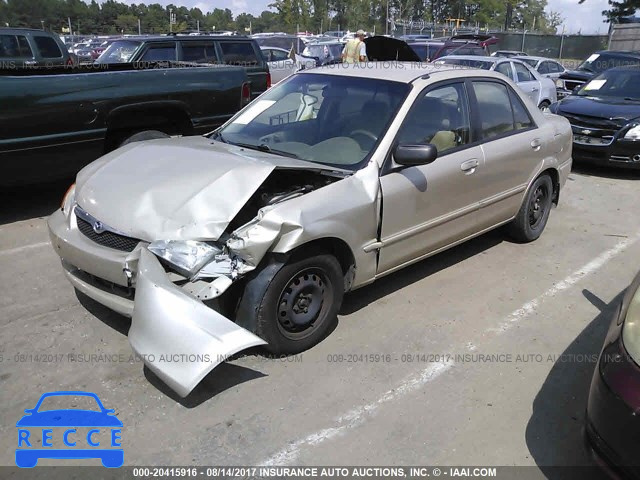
(113, 17)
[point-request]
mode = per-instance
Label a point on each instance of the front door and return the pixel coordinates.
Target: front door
(426, 208)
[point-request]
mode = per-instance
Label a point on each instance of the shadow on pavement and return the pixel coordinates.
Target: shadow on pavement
(396, 281)
(606, 172)
(554, 433)
(32, 201)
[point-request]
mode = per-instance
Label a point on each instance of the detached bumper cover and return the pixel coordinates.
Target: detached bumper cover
(179, 338)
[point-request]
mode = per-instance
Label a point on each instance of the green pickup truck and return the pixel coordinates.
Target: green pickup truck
(55, 121)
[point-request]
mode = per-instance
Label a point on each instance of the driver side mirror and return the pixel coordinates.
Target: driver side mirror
(415, 155)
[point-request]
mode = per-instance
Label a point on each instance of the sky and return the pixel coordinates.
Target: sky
(585, 18)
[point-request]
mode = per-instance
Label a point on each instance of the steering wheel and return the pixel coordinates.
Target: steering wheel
(366, 133)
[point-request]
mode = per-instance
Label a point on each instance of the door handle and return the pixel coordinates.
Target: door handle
(469, 166)
(536, 144)
(535, 89)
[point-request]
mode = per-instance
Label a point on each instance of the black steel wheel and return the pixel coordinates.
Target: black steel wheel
(534, 212)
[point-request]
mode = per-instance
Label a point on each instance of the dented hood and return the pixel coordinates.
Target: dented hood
(175, 188)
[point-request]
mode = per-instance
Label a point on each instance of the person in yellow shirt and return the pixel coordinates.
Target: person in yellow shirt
(355, 50)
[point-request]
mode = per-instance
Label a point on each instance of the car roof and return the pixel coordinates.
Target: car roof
(626, 53)
(187, 38)
(477, 58)
(538, 59)
(403, 72)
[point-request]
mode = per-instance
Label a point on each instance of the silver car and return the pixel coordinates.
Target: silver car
(546, 67)
(281, 65)
(328, 181)
(541, 90)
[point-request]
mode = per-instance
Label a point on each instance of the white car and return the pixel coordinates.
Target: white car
(541, 90)
(281, 65)
(544, 66)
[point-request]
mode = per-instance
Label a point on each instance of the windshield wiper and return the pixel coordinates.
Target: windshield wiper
(218, 136)
(263, 147)
(586, 69)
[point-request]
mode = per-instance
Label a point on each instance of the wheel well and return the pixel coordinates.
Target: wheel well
(555, 180)
(334, 246)
(122, 124)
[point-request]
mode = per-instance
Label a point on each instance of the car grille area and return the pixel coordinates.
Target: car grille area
(107, 239)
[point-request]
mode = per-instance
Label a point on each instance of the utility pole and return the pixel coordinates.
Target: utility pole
(198, 23)
(387, 19)
(139, 27)
(69, 21)
(561, 42)
(170, 20)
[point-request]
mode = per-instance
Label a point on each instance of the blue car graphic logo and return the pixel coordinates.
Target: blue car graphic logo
(43, 433)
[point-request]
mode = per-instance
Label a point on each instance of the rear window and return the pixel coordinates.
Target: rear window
(238, 53)
(48, 47)
(15, 46)
(119, 52)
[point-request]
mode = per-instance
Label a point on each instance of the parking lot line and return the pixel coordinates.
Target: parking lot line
(358, 415)
(12, 251)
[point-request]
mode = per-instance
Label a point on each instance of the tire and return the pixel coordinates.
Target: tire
(544, 105)
(293, 305)
(144, 135)
(534, 212)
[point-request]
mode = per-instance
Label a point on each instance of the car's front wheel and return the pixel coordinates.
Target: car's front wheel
(534, 212)
(544, 106)
(294, 305)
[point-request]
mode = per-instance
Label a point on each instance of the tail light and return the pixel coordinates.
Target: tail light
(246, 94)
(69, 62)
(268, 80)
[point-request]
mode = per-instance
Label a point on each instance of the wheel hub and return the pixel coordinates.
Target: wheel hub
(301, 302)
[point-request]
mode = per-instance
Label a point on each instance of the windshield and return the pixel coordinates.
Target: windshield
(467, 62)
(624, 84)
(328, 119)
(119, 52)
(325, 53)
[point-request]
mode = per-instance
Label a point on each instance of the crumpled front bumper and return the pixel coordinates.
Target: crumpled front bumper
(178, 337)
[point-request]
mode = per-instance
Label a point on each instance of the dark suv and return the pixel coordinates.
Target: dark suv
(26, 47)
(468, 44)
(592, 66)
(216, 49)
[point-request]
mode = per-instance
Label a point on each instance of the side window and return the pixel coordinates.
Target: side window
(440, 117)
(159, 53)
(523, 74)
(197, 52)
(238, 53)
(505, 69)
(47, 46)
(24, 48)
(556, 67)
(544, 68)
(521, 117)
(495, 107)
(278, 56)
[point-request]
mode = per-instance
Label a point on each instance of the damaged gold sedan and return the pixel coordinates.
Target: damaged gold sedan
(333, 178)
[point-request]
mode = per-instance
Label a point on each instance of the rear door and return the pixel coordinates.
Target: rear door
(247, 54)
(198, 51)
(512, 146)
(159, 52)
(527, 82)
(48, 52)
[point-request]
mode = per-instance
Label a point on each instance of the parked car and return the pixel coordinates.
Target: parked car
(328, 181)
(541, 90)
(612, 421)
(223, 49)
(592, 66)
(285, 42)
(469, 44)
(544, 66)
(427, 50)
(604, 114)
(325, 53)
(79, 114)
(508, 53)
(25, 47)
(281, 65)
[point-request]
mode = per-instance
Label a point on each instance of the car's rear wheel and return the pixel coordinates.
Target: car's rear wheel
(534, 212)
(296, 307)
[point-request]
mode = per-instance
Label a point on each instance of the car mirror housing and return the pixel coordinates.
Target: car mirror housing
(414, 155)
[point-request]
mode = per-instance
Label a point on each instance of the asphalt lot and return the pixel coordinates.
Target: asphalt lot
(542, 309)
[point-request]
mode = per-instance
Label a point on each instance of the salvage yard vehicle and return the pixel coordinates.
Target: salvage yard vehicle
(235, 50)
(539, 89)
(330, 180)
(546, 67)
(605, 117)
(612, 421)
(27, 47)
(56, 121)
(597, 63)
